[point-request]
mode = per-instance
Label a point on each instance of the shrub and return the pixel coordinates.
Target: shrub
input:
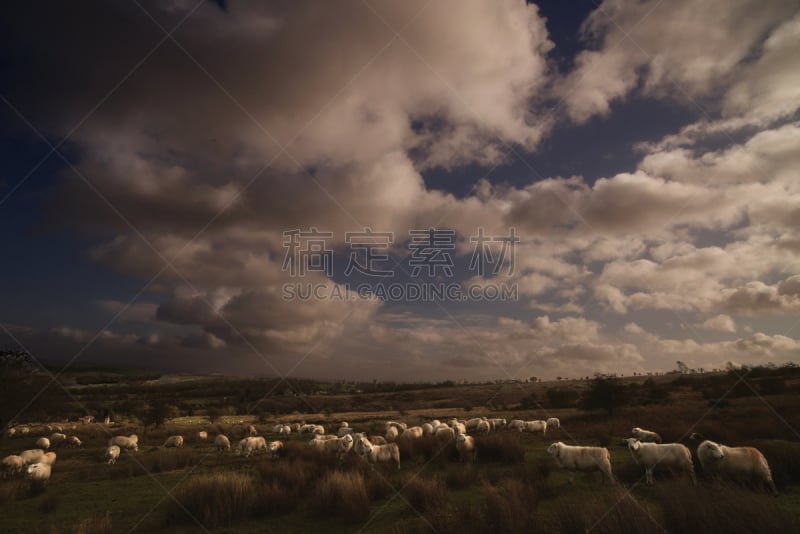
(343, 495)
(424, 494)
(214, 500)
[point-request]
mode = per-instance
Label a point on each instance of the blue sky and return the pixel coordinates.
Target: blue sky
(647, 162)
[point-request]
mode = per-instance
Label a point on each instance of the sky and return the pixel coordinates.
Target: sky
(267, 188)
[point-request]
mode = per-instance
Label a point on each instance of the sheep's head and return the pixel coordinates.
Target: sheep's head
(368, 448)
(348, 438)
(33, 468)
(461, 438)
(554, 449)
(636, 431)
(714, 450)
(633, 444)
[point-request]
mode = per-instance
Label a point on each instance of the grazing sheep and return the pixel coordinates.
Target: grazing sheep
(645, 436)
(43, 443)
(459, 428)
(174, 441)
(497, 423)
(344, 431)
(484, 427)
(472, 424)
(47, 428)
(466, 447)
(39, 473)
(383, 453)
(295, 427)
(275, 448)
(74, 441)
(58, 428)
(86, 419)
(254, 445)
(318, 430)
(251, 430)
(126, 443)
(427, 429)
(57, 437)
(444, 433)
(277, 428)
(307, 429)
(536, 426)
(670, 455)
(344, 424)
(202, 435)
(391, 433)
(317, 443)
(576, 458)
(554, 423)
(222, 443)
(112, 453)
(31, 456)
(24, 431)
(517, 424)
(11, 465)
(48, 458)
(735, 462)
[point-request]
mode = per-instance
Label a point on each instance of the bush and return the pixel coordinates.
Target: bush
(213, 500)
(562, 397)
(343, 495)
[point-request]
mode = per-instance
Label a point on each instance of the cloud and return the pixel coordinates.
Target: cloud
(721, 323)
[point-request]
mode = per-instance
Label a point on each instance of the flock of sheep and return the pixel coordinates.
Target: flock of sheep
(645, 447)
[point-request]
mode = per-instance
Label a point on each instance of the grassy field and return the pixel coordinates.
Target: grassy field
(514, 486)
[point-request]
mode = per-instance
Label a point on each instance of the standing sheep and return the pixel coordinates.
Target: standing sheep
(670, 455)
(467, 450)
(174, 442)
(222, 443)
(391, 433)
(39, 473)
(202, 436)
(74, 441)
(553, 423)
(43, 443)
(645, 436)
(383, 453)
(517, 424)
(57, 437)
(12, 465)
(48, 458)
(576, 458)
(536, 426)
(483, 427)
(251, 430)
(31, 456)
(444, 433)
(735, 462)
(129, 443)
(427, 429)
(112, 453)
(275, 448)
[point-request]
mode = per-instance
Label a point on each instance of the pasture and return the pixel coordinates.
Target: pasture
(512, 486)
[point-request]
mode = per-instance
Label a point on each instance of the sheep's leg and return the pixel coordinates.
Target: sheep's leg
(649, 475)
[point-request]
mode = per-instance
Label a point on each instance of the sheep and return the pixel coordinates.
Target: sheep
(378, 440)
(73, 441)
(427, 429)
(472, 424)
(39, 473)
(31, 456)
(360, 442)
(344, 424)
(251, 430)
(112, 453)
(202, 435)
(43, 443)
(735, 462)
(222, 443)
(383, 453)
(10, 432)
(307, 429)
(24, 431)
(391, 433)
(318, 430)
(672, 455)
(129, 443)
(277, 428)
(174, 442)
(58, 428)
(285, 429)
(411, 433)
(399, 426)
(11, 465)
(86, 419)
(317, 443)
(57, 437)
(48, 458)
(554, 423)
(576, 458)
(345, 445)
(107, 421)
(254, 445)
(517, 424)
(47, 428)
(536, 426)
(645, 436)
(295, 427)
(484, 427)
(444, 433)
(344, 431)
(466, 447)
(497, 423)
(275, 448)
(459, 428)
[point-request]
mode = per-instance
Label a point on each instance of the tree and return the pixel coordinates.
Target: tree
(159, 413)
(682, 367)
(604, 394)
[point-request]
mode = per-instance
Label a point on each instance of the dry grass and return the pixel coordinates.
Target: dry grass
(213, 500)
(424, 494)
(342, 495)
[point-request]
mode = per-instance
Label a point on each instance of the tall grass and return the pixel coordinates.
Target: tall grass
(213, 500)
(342, 495)
(425, 494)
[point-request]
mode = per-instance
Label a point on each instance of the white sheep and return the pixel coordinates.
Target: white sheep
(12, 465)
(285, 429)
(275, 448)
(254, 445)
(444, 433)
(383, 453)
(554, 423)
(251, 430)
(459, 428)
(202, 435)
(73, 441)
(398, 425)
(112, 453)
(669, 455)
(391, 433)
(125, 443)
(318, 430)
(378, 440)
(645, 436)
(360, 442)
(467, 450)
(222, 443)
(43, 443)
(10, 432)
(345, 445)
(497, 423)
(517, 424)
(536, 426)
(344, 431)
(295, 427)
(24, 431)
(472, 424)
(58, 428)
(575, 458)
(427, 429)
(735, 462)
(174, 442)
(483, 427)
(39, 473)
(57, 437)
(411, 433)
(31, 456)
(48, 458)
(277, 428)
